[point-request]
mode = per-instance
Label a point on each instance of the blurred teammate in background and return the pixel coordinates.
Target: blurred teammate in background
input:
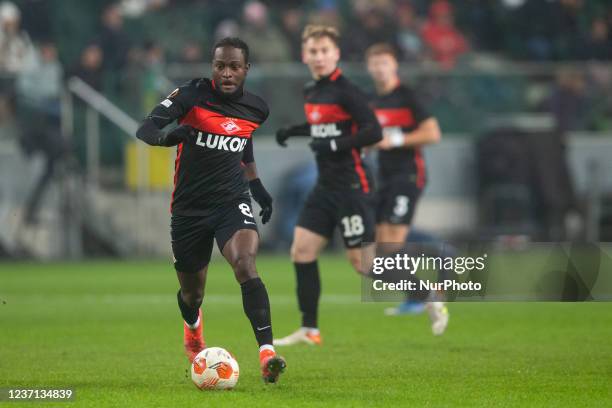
(407, 127)
(214, 171)
(340, 123)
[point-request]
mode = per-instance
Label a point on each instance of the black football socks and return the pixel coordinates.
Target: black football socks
(190, 314)
(257, 308)
(308, 291)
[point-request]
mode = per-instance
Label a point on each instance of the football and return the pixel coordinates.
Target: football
(215, 368)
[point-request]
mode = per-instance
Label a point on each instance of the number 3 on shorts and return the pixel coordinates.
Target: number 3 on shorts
(352, 225)
(401, 206)
(246, 210)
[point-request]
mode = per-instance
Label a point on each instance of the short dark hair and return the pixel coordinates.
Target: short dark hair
(233, 42)
(380, 49)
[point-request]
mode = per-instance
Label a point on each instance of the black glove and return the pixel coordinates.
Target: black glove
(328, 146)
(282, 135)
(179, 135)
(263, 198)
(322, 146)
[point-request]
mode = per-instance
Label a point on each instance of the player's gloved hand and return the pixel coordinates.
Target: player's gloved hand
(327, 146)
(263, 198)
(282, 135)
(179, 135)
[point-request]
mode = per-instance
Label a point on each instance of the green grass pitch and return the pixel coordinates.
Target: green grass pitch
(112, 331)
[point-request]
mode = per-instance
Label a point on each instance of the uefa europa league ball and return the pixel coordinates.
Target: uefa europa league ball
(214, 368)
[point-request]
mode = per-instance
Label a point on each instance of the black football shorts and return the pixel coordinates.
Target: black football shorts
(396, 202)
(192, 236)
(352, 211)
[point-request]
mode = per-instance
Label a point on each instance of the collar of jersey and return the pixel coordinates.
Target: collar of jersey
(331, 77)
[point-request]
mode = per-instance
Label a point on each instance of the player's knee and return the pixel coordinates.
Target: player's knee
(244, 267)
(302, 253)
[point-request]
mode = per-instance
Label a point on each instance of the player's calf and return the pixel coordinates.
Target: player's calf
(256, 306)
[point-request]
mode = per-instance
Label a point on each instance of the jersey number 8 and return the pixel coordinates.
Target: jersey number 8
(246, 210)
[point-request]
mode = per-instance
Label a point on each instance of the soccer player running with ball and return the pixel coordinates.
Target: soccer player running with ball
(214, 171)
(340, 123)
(407, 127)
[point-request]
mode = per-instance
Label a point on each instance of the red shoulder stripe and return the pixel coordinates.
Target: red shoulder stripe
(325, 113)
(395, 117)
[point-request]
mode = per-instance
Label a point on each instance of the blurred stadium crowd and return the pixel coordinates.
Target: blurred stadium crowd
(439, 30)
(118, 46)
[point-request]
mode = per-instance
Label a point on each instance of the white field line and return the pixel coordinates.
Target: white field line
(135, 298)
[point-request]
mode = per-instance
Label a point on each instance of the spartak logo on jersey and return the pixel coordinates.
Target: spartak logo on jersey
(315, 115)
(230, 126)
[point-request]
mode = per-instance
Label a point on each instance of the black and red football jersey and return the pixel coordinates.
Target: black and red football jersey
(208, 169)
(400, 108)
(335, 108)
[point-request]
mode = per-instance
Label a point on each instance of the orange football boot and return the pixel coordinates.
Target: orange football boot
(271, 365)
(315, 338)
(193, 339)
(301, 335)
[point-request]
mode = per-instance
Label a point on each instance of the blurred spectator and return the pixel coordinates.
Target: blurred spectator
(372, 26)
(569, 15)
(16, 50)
(89, 68)
(227, 28)
(154, 56)
(136, 8)
(266, 42)
(484, 23)
(289, 4)
(444, 40)
(597, 45)
(512, 4)
(39, 85)
(408, 32)
(535, 32)
(363, 6)
(113, 40)
(326, 12)
(153, 81)
(39, 88)
(568, 102)
(292, 25)
(191, 53)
